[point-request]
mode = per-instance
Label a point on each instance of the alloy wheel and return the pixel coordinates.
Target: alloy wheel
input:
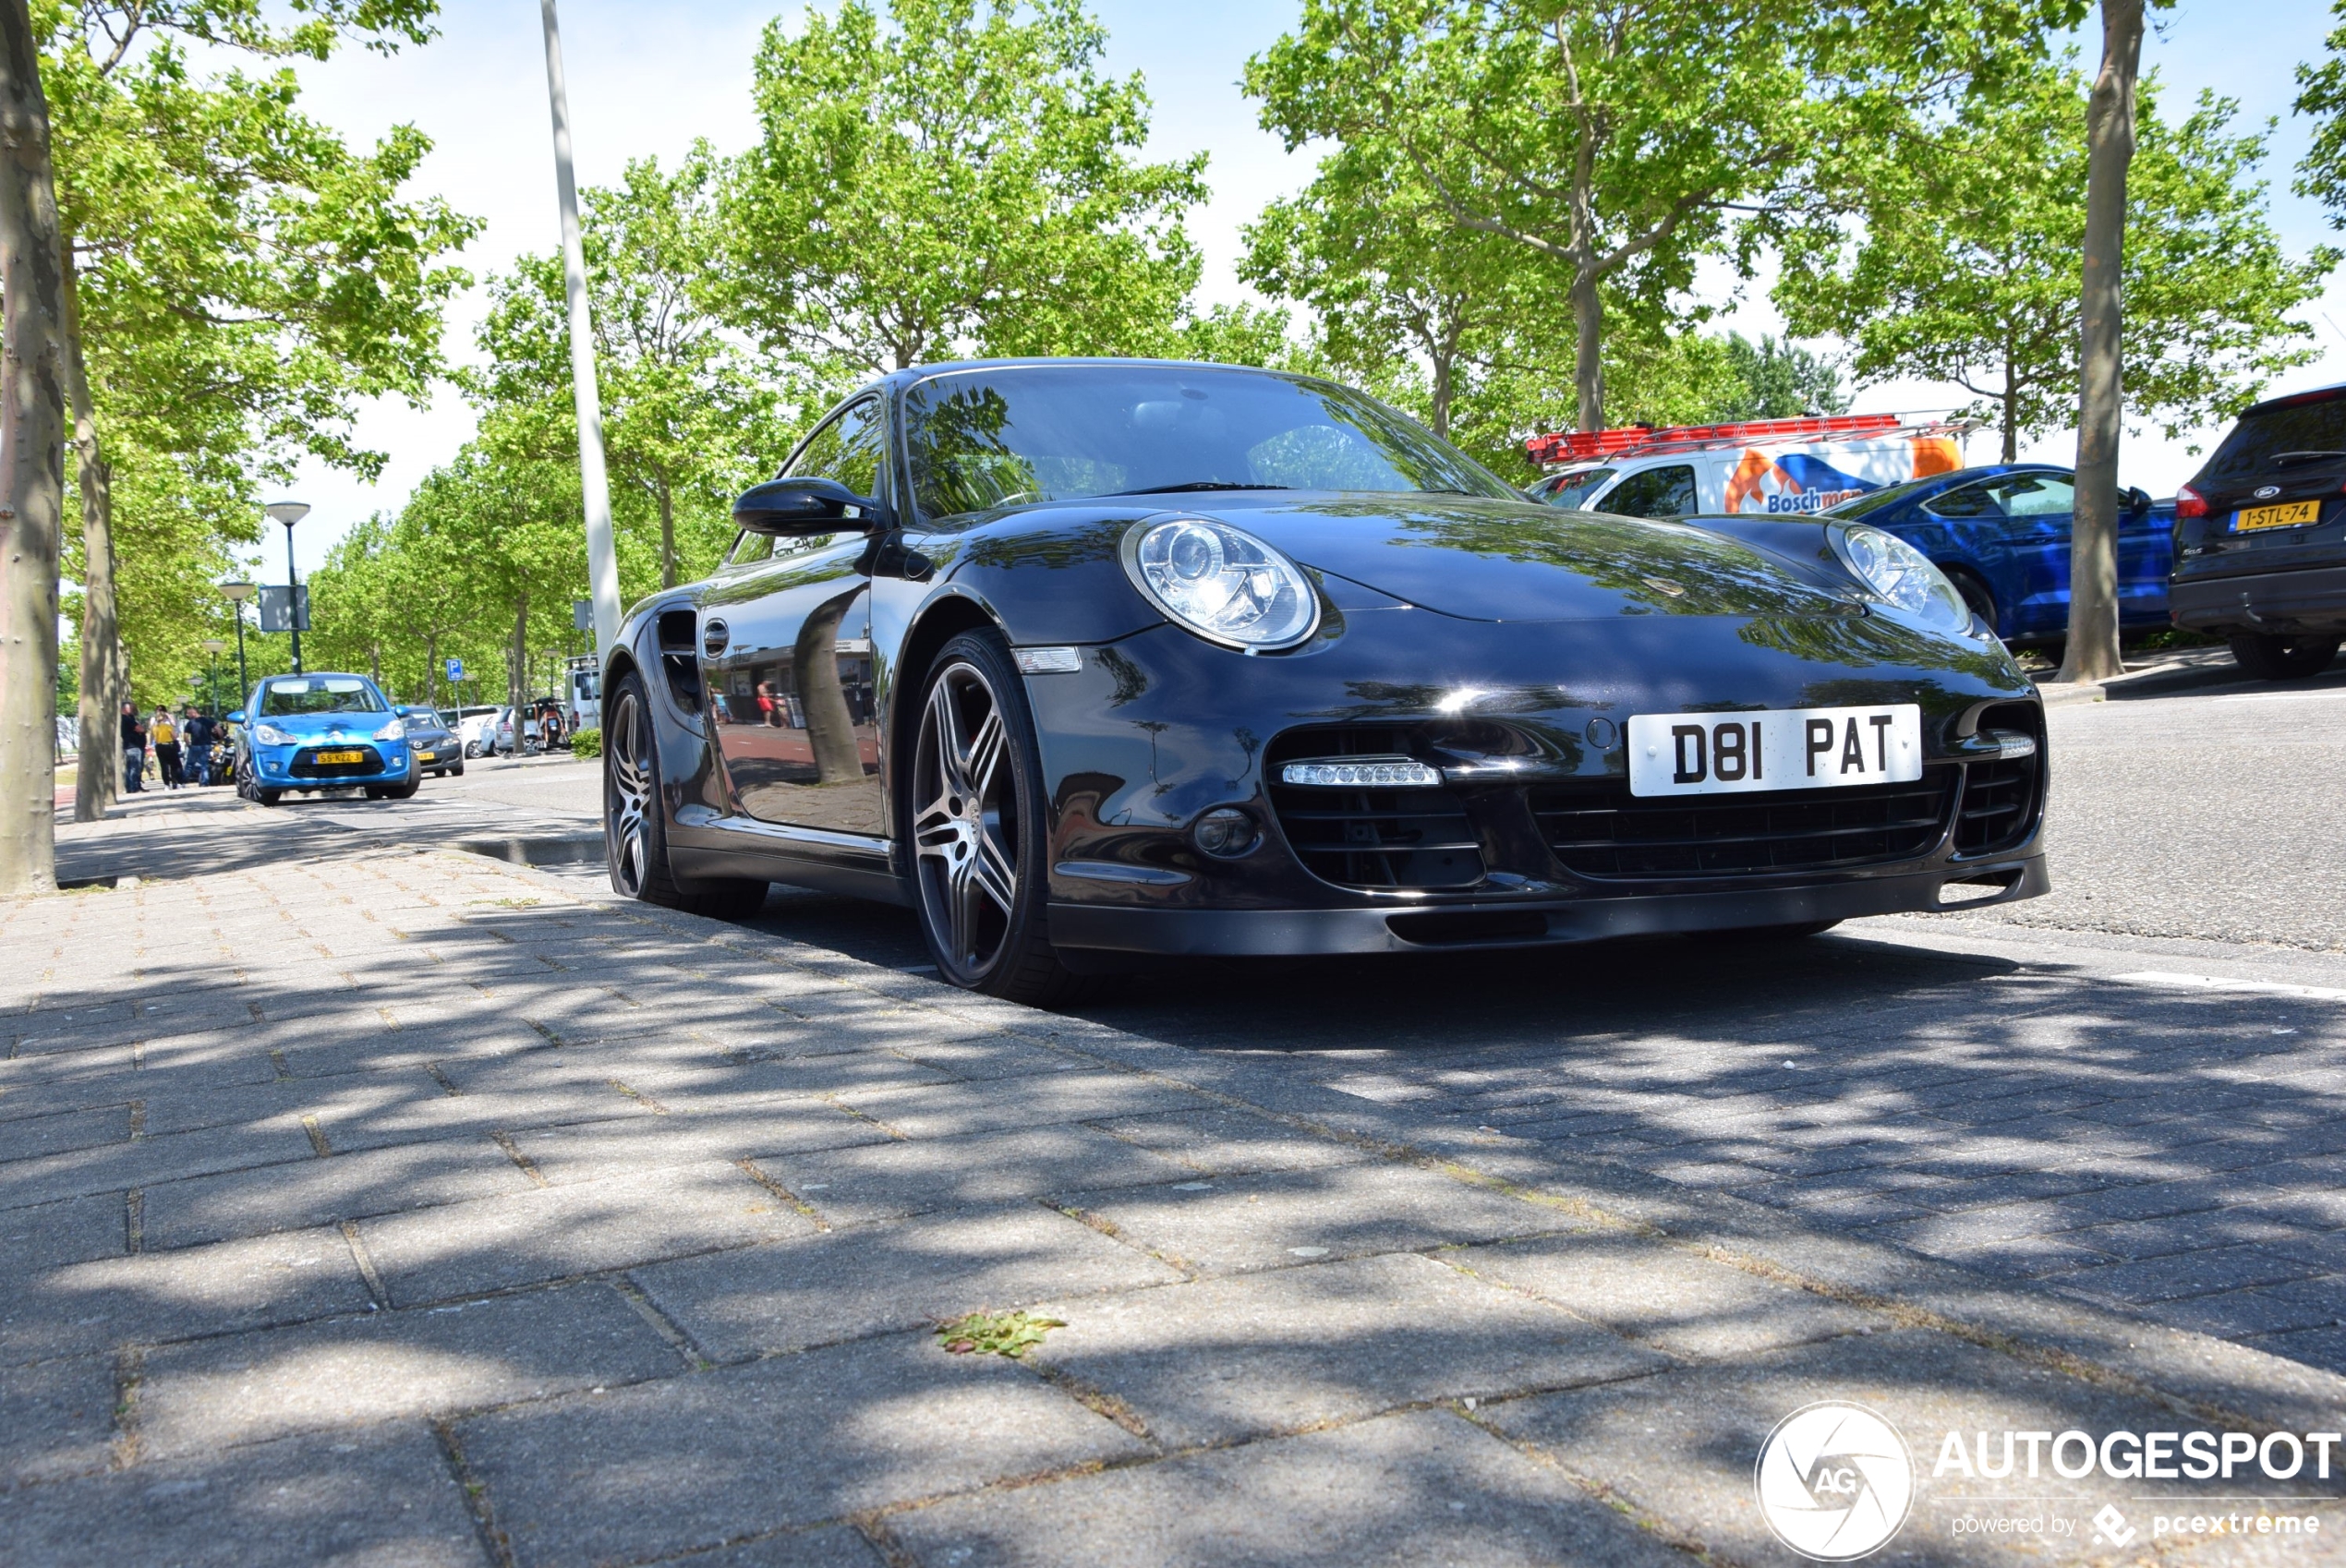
(629, 795)
(965, 825)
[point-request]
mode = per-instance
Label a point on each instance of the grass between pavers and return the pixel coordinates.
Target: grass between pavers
(994, 1333)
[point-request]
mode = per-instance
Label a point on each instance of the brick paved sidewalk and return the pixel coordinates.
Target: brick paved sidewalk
(371, 1206)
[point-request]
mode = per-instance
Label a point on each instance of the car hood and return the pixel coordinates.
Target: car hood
(1514, 561)
(330, 726)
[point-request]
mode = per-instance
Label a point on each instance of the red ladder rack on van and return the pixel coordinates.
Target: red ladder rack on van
(1579, 446)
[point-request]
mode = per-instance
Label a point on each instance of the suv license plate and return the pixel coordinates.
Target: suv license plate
(2289, 514)
(1798, 748)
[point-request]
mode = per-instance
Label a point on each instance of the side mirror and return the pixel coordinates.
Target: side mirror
(236, 717)
(2137, 500)
(793, 508)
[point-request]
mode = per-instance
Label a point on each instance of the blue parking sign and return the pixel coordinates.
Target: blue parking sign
(455, 670)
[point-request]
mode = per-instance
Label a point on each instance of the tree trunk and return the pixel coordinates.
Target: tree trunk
(431, 670)
(32, 479)
(1587, 366)
(99, 776)
(2093, 539)
(1444, 374)
(667, 536)
(517, 677)
(2012, 414)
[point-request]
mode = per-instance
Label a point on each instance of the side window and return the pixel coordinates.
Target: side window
(1657, 492)
(1969, 503)
(2038, 495)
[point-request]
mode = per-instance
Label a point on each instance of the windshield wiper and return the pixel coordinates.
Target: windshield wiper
(1198, 485)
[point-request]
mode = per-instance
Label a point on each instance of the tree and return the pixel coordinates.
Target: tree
(688, 421)
(1624, 140)
(31, 463)
(958, 179)
(1776, 379)
(1966, 267)
(237, 281)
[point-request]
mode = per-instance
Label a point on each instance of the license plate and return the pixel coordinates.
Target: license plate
(1799, 748)
(425, 757)
(329, 757)
(2289, 514)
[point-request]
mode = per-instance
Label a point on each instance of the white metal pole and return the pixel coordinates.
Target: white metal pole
(602, 562)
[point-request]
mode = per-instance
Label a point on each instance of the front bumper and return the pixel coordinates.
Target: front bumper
(1480, 923)
(2308, 601)
(279, 768)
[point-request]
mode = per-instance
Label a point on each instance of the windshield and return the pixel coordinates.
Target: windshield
(288, 696)
(1873, 501)
(989, 438)
(2250, 451)
(1572, 491)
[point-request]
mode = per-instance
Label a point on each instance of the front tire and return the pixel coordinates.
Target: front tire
(457, 771)
(1977, 595)
(2282, 659)
(979, 839)
(636, 829)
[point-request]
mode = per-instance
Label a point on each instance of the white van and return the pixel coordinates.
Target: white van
(1770, 466)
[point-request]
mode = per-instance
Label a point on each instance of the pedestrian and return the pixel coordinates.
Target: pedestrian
(165, 736)
(195, 735)
(134, 749)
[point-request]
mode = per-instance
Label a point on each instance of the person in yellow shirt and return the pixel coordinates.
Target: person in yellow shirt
(164, 734)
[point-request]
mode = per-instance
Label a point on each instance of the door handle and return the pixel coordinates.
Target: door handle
(714, 636)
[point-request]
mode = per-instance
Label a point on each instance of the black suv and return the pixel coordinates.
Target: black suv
(2260, 537)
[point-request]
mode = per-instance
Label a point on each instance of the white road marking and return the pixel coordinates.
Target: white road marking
(2173, 981)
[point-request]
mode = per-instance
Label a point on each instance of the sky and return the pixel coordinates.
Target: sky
(651, 75)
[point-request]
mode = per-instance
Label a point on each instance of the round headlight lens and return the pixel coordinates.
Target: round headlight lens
(1902, 575)
(1222, 583)
(396, 730)
(270, 735)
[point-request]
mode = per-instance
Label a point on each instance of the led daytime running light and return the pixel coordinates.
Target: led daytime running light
(1360, 773)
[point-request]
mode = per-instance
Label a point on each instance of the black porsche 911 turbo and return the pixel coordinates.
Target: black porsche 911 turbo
(1085, 659)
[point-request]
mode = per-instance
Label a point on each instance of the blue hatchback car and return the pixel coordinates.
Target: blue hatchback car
(2002, 533)
(321, 732)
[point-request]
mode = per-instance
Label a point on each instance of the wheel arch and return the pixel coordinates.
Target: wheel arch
(943, 618)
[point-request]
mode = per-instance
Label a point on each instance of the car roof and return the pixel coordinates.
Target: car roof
(2311, 394)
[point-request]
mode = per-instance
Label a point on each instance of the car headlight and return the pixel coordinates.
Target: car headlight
(270, 735)
(396, 730)
(1222, 583)
(1902, 575)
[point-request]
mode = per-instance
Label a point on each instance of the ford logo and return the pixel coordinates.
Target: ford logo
(2266, 492)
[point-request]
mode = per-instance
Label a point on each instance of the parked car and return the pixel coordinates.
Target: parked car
(2000, 534)
(476, 727)
(438, 751)
(1086, 660)
(1772, 466)
(2261, 538)
(326, 731)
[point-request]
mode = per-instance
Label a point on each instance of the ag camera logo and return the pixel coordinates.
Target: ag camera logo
(1834, 1481)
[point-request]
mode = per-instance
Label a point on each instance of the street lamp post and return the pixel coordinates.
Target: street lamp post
(236, 593)
(212, 647)
(290, 512)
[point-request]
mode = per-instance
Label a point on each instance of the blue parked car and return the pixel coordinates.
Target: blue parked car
(2002, 533)
(321, 732)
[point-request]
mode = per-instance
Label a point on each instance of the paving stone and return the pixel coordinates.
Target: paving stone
(875, 1279)
(1420, 1488)
(1229, 1142)
(979, 1054)
(1225, 1224)
(427, 1361)
(633, 1473)
(825, 1546)
(24, 1137)
(781, 1124)
(1229, 1360)
(154, 1297)
(408, 1049)
(143, 1162)
(56, 1419)
(556, 1233)
(378, 1499)
(312, 1192)
(882, 1180)
(954, 1110)
(1687, 1305)
(2195, 1274)
(49, 1236)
